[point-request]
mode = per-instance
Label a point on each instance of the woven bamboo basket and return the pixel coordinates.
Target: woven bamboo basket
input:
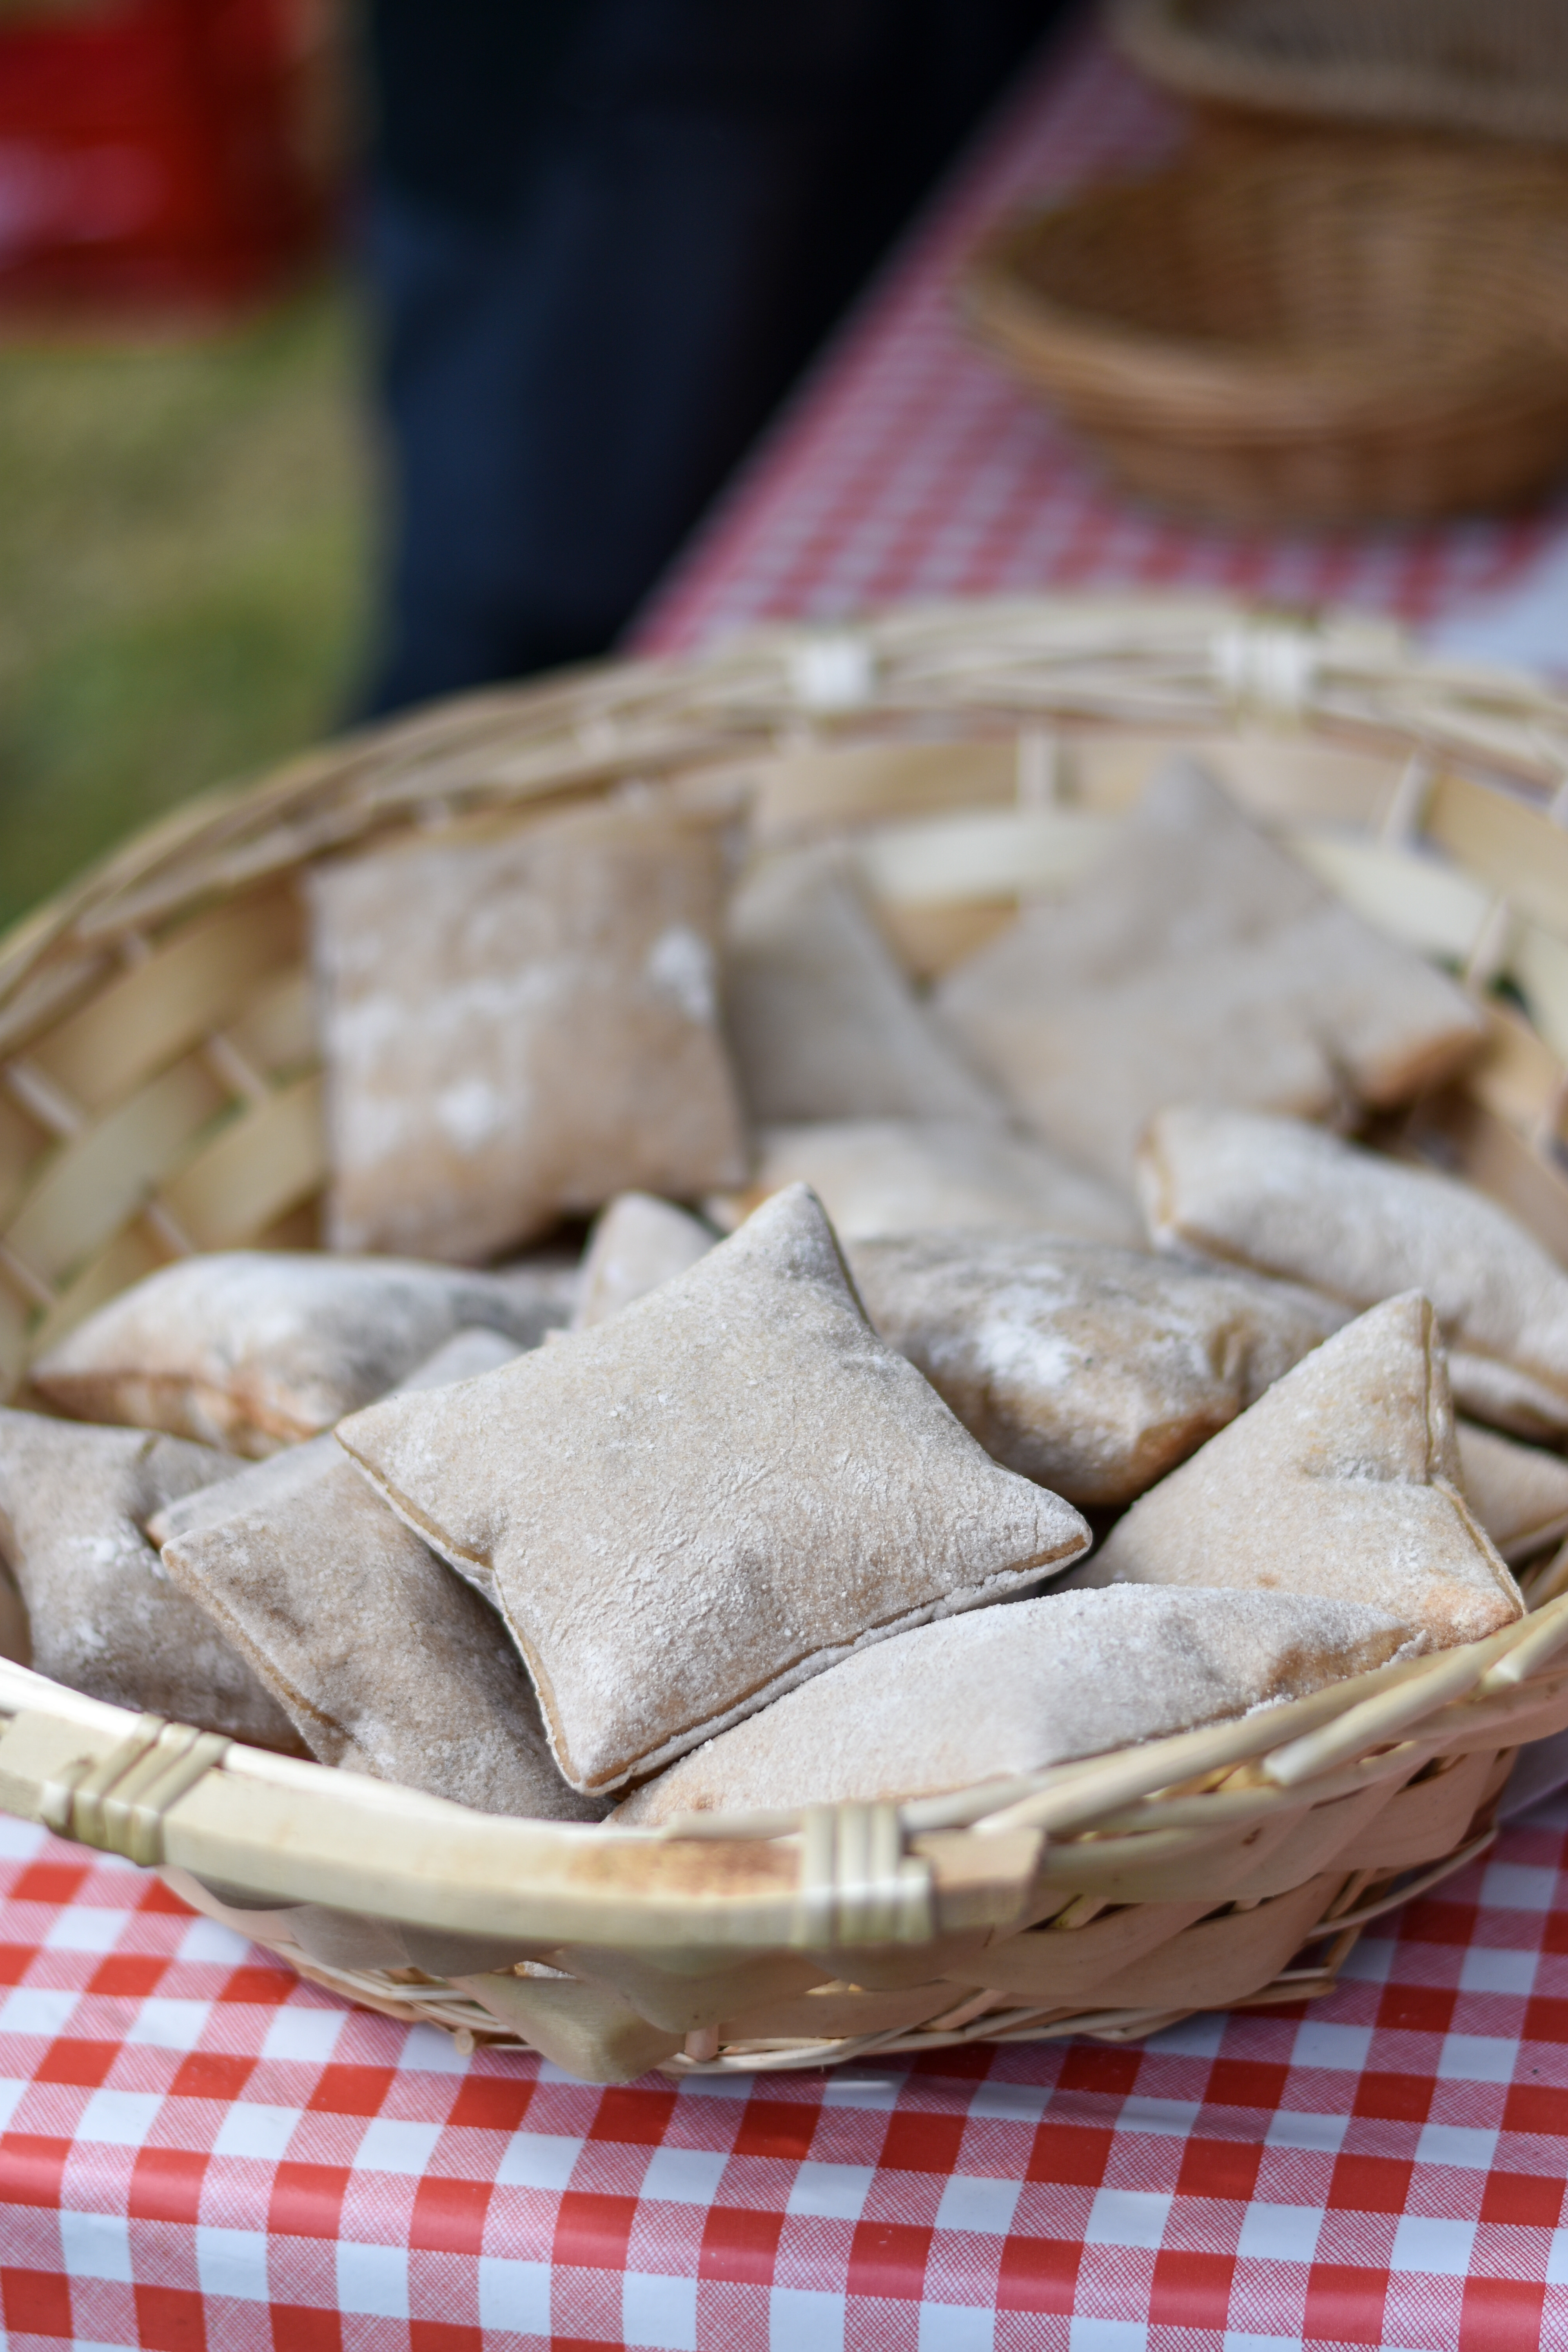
(1309, 332)
(159, 1096)
(1496, 69)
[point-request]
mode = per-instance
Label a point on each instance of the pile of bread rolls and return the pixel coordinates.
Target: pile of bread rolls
(948, 1385)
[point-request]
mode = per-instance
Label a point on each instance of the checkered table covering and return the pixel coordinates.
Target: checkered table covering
(910, 468)
(202, 2152)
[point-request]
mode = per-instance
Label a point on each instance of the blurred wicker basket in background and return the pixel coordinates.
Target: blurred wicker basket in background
(158, 1094)
(1497, 69)
(1314, 332)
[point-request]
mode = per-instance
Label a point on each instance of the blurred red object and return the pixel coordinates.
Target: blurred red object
(157, 154)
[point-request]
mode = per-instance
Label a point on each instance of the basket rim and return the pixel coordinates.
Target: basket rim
(63, 1755)
(1163, 660)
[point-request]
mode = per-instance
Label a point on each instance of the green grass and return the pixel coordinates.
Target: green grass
(184, 560)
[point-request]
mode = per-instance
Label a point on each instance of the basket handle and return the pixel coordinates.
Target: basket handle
(117, 1805)
(856, 1883)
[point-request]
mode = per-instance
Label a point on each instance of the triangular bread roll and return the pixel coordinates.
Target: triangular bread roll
(1093, 1369)
(384, 1659)
(520, 1027)
(1290, 1201)
(822, 1022)
(905, 1176)
(251, 1349)
(104, 1615)
(1197, 962)
(1519, 1493)
(1012, 1690)
(638, 1244)
(1342, 1481)
(712, 1496)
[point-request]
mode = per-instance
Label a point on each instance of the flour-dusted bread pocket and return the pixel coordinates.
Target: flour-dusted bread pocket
(879, 1176)
(251, 1350)
(711, 1496)
(638, 1244)
(104, 1615)
(1197, 961)
(1091, 1369)
(519, 1027)
(1290, 1201)
(385, 1662)
(1008, 1691)
(1519, 1493)
(278, 1478)
(382, 1658)
(1087, 1072)
(823, 1023)
(1342, 1481)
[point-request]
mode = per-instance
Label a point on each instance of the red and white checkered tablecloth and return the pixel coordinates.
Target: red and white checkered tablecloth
(202, 2154)
(198, 2153)
(910, 468)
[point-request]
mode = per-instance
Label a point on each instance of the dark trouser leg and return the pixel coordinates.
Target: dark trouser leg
(575, 348)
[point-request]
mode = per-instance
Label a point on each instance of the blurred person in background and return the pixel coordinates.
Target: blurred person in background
(603, 236)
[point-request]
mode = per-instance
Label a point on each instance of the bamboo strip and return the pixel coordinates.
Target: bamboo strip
(261, 1165)
(1451, 1676)
(95, 1184)
(1409, 1890)
(163, 1007)
(1108, 1782)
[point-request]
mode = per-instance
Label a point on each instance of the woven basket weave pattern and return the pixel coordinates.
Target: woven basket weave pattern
(159, 1094)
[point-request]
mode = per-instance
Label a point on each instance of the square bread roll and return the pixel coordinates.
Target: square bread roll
(823, 1023)
(1092, 1369)
(104, 1615)
(516, 1029)
(1342, 1481)
(878, 1176)
(1290, 1201)
(717, 1494)
(1007, 1691)
(1197, 962)
(251, 1349)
